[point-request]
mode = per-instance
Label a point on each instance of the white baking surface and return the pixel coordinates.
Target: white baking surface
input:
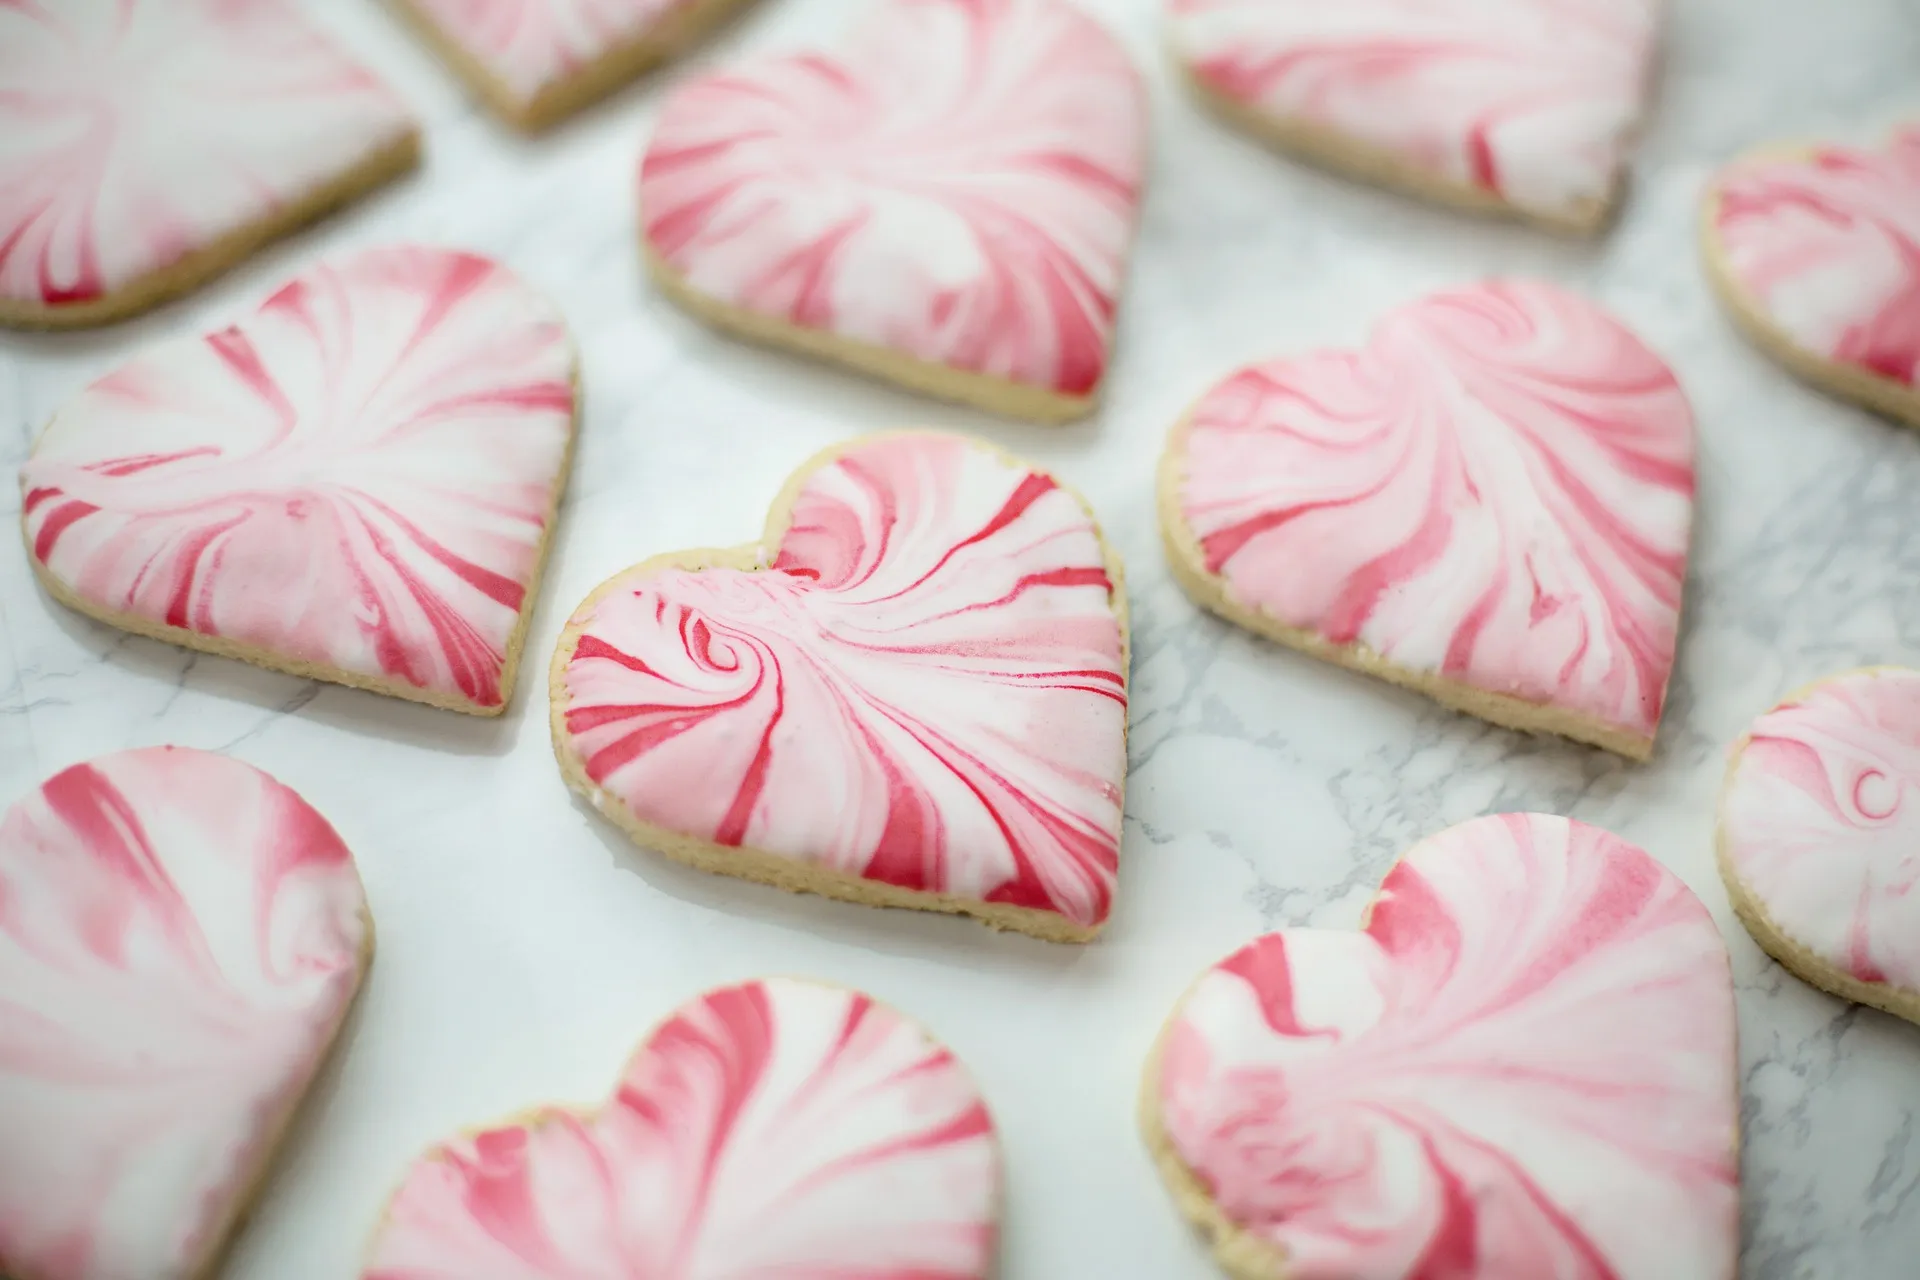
(525, 946)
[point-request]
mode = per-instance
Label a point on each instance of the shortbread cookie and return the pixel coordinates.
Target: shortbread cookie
(354, 484)
(1527, 107)
(911, 693)
(775, 1128)
(1820, 836)
(536, 62)
(947, 204)
(148, 145)
(1489, 503)
(180, 939)
(1523, 1066)
(1816, 252)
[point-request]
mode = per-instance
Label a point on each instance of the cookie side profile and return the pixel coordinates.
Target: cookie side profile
(185, 939)
(1819, 836)
(1489, 503)
(777, 1127)
(1534, 1010)
(357, 483)
(1522, 107)
(912, 693)
(947, 204)
(536, 62)
(1815, 253)
(147, 146)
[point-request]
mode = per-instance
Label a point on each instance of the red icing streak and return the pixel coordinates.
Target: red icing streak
(1523, 1067)
(358, 477)
(925, 690)
(775, 1128)
(958, 186)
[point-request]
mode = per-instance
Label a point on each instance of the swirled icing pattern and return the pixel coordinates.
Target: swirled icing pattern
(1533, 101)
(926, 688)
(180, 936)
(1497, 489)
(1523, 1067)
(356, 479)
(133, 132)
(777, 1128)
(958, 187)
(1825, 244)
(1821, 822)
(528, 45)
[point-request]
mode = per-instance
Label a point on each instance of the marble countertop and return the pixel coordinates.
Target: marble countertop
(525, 946)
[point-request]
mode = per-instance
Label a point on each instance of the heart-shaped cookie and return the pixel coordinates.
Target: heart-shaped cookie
(180, 939)
(947, 204)
(1489, 503)
(776, 1128)
(1519, 106)
(1820, 836)
(538, 61)
(355, 484)
(912, 693)
(1816, 252)
(1523, 1066)
(147, 145)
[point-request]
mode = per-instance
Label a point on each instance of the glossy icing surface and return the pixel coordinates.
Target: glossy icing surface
(179, 937)
(1532, 100)
(957, 186)
(1821, 822)
(779, 1128)
(926, 687)
(529, 44)
(1497, 489)
(357, 477)
(1825, 244)
(133, 132)
(1524, 1066)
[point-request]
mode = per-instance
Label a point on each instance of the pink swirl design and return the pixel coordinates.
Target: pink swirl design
(1820, 822)
(1534, 101)
(1496, 490)
(356, 482)
(180, 937)
(134, 132)
(778, 1128)
(924, 687)
(528, 45)
(1825, 244)
(958, 187)
(1524, 1066)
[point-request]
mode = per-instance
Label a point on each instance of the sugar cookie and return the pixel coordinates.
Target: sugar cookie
(356, 483)
(1820, 836)
(1489, 503)
(1815, 251)
(1526, 107)
(946, 205)
(911, 693)
(1523, 1066)
(536, 62)
(180, 939)
(148, 145)
(775, 1128)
